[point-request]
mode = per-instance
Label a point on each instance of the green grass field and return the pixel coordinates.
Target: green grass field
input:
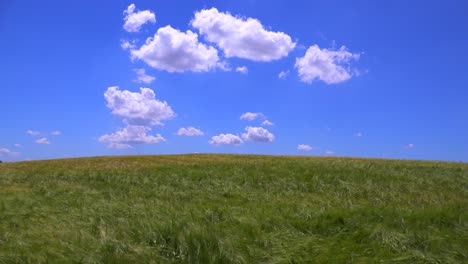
(233, 209)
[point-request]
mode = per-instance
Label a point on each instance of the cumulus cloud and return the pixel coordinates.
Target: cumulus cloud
(330, 66)
(43, 141)
(56, 133)
(258, 134)
(242, 69)
(33, 133)
(283, 74)
(189, 131)
(175, 51)
(134, 20)
(132, 134)
(242, 37)
(138, 108)
(142, 77)
(226, 139)
(7, 152)
(267, 123)
(304, 147)
(250, 116)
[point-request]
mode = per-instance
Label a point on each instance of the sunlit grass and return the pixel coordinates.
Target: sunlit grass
(233, 209)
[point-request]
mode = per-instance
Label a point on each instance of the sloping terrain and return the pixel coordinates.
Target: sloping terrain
(233, 209)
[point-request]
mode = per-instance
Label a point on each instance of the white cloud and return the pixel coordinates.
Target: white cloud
(130, 135)
(118, 146)
(283, 74)
(329, 152)
(409, 146)
(138, 108)
(7, 152)
(304, 147)
(267, 123)
(358, 134)
(43, 141)
(33, 133)
(250, 116)
(175, 51)
(258, 134)
(242, 69)
(56, 133)
(18, 145)
(226, 139)
(125, 44)
(330, 66)
(134, 20)
(142, 77)
(189, 131)
(242, 37)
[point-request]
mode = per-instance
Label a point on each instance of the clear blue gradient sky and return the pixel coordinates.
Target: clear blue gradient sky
(399, 88)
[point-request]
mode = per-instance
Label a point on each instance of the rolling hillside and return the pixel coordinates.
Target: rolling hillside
(233, 209)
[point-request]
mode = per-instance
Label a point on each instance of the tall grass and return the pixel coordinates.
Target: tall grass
(233, 209)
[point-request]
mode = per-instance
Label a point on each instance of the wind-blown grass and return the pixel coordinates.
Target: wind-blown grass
(233, 209)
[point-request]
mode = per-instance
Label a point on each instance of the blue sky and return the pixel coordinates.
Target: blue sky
(384, 79)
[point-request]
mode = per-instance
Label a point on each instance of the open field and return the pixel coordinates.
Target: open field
(233, 209)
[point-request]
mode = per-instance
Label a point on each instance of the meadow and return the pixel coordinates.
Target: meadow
(207, 208)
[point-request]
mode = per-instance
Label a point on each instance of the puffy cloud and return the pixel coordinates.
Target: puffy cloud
(242, 69)
(33, 133)
(132, 134)
(267, 123)
(43, 141)
(242, 37)
(189, 131)
(409, 146)
(56, 133)
(175, 51)
(138, 108)
(134, 20)
(330, 66)
(258, 134)
(283, 74)
(7, 152)
(142, 77)
(226, 139)
(250, 116)
(304, 147)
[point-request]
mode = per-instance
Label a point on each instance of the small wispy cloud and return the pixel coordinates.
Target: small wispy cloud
(189, 132)
(304, 147)
(358, 134)
(7, 152)
(283, 75)
(267, 123)
(142, 77)
(242, 69)
(251, 116)
(329, 152)
(409, 146)
(43, 141)
(56, 133)
(33, 133)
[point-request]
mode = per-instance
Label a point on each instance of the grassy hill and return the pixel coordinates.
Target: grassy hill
(233, 209)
